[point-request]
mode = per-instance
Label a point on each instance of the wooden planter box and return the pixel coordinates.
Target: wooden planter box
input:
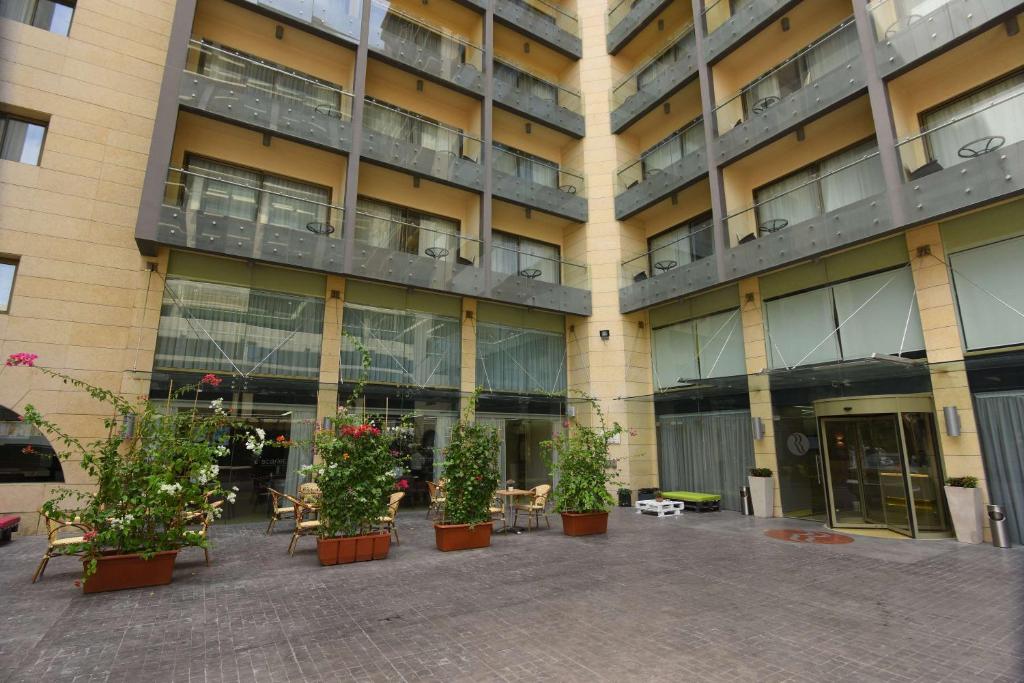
(347, 549)
(584, 523)
(463, 536)
(118, 572)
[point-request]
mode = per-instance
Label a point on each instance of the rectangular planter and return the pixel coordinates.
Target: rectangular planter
(348, 549)
(119, 572)
(966, 510)
(463, 536)
(584, 523)
(762, 495)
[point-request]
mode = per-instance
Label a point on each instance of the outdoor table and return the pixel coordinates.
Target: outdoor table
(510, 495)
(660, 508)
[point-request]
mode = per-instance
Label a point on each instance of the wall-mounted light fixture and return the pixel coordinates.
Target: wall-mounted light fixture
(605, 335)
(952, 417)
(419, 85)
(279, 32)
(757, 427)
(325, 423)
(266, 139)
(128, 426)
(785, 23)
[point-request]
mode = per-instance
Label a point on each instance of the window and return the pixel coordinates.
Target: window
(529, 167)
(519, 360)
(390, 226)
(21, 140)
(526, 82)
(989, 295)
(701, 348)
(522, 256)
(7, 271)
(52, 15)
(683, 243)
(411, 127)
(686, 140)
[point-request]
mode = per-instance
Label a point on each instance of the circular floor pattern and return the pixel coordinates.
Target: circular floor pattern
(805, 536)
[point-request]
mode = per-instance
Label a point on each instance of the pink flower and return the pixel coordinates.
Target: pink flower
(26, 359)
(89, 535)
(565, 424)
(402, 484)
(211, 379)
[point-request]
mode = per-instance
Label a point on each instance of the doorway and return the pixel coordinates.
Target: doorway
(881, 462)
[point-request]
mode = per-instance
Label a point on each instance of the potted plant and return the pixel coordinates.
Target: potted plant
(762, 491)
(471, 474)
(155, 473)
(579, 463)
(964, 499)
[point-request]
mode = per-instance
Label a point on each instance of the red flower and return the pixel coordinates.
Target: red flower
(26, 359)
(89, 535)
(211, 379)
(280, 439)
(28, 450)
(402, 484)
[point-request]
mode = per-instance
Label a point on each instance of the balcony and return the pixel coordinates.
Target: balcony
(540, 185)
(662, 75)
(910, 32)
(820, 77)
(547, 23)
(336, 19)
(666, 168)
(727, 23)
(681, 266)
(216, 214)
(399, 140)
(535, 98)
(428, 50)
(626, 18)
(538, 280)
(241, 89)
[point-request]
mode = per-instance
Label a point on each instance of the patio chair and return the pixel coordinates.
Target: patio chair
(436, 499)
(536, 507)
(55, 543)
(388, 520)
(497, 511)
(309, 493)
(202, 519)
(303, 525)
(277, 510)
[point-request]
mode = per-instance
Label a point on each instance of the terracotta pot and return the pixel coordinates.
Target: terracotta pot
(463, 536)
(584, 523)
(348, 549)
(118, 572)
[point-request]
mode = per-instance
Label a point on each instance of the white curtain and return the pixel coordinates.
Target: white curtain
(849, 185)
(1002, 120)
(796, 324)
(380, 224)
(830, 54)
(438, 233)
(675, 354)
(540, 256)
(673, 245)
(792, 199)
(236, 197)
(300, 453)
(291, 204)
(989, 293)
(504, 253)
(720, 344)
(520, 360)
(879, 326)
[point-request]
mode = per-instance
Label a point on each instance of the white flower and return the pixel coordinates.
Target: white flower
(234, 488)
(230, 497)
(262, 434)
(169, 489)
(218, 406)
(222, 451)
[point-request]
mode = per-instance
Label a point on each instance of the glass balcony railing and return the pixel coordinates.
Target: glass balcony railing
(383, 232)
(538, 172)
(665, 59)
(809, 195)
(522, 80)
(822, 57)
(536, 267)
(662, 156)
(892, 17)
(975, 127)
(549, 13)
(431, 48)
(257, 87)
(693, 246)
(246, 212)
(717, 12)
(334, 16)
(619, 11)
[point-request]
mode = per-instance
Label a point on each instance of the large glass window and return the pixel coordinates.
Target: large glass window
(683, 243)
(52, 15)
(21, 140)
(400, 228)
(989, 294)
(519, 360)
(522, 256)
(711, 346)
(7, 272)
(207, 326)
(526, 82)
(419, 130)
(687, 140)
(529, 167)
(406, 347)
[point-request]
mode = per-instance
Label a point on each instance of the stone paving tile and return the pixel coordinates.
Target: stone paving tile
(707, 596)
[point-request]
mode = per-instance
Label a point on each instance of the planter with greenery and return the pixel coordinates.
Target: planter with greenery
(963, 498)
(155, 474)
(580, 465)
(471, 478)
(762, 491)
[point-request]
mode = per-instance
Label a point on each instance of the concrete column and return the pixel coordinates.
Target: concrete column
(330, 349)
(467, 381)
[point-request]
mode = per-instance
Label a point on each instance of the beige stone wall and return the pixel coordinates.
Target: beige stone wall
(80, 300)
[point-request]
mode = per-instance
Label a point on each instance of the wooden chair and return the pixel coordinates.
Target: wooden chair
(203, 519)
(304, 526)
(436, 499)
(388, 520)
(278, 511)
(536, 507)
(55, 543)
(497, 511)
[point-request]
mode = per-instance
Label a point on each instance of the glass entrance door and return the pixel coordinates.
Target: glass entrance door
(866, 472)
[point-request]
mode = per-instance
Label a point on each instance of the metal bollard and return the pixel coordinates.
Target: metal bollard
(746, 502)
(998, 525)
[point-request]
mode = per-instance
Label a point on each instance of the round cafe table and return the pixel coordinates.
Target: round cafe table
(509, 496)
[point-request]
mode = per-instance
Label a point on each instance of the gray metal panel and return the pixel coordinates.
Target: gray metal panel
(937, 31)
(444, 167)
(737, 28)
(680, 281)
(654, 188)
(537, 109)
(541, 197)
(641, 13)
(665, 85)
(298, 122)
(465, 77)
(796, 109)
(522, 19)
(535, 294)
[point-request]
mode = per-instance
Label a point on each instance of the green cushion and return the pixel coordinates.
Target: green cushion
(691, 497)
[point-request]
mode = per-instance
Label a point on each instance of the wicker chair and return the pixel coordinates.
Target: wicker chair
(536, 507)
(278, 511)
(437, 499)
(203, 520)
(389, 519)
(497, 511)
(304, 526)
(309, 493)
(56, 543)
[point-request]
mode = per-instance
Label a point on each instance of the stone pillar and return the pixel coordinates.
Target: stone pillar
(330, 349)
(467, 374)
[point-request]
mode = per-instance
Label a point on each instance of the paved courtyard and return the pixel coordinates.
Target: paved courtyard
(697, 598)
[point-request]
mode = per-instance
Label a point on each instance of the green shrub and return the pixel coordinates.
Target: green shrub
(578, 458)
(760, 472)
(470, 469)
(963, 482)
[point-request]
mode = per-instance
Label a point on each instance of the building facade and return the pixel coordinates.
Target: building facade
(759, 232)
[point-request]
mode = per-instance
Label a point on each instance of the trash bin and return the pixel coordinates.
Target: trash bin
(645, 494)
(746, 502)
(997, 522)
(625, 498)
